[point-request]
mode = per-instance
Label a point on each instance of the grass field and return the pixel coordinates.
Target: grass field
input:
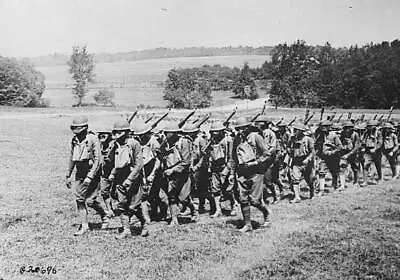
(136, 82)
(349, 235)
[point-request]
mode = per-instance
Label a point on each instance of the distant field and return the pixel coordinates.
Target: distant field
(137, 82)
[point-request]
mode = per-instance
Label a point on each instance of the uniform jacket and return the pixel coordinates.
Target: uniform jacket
(302, 150)
(151, 163)
(351, 145)
(271, 142)
(85, 155)
(390, 142)
(373, 140)
(128, 155)
(332, 145)
(178, 157)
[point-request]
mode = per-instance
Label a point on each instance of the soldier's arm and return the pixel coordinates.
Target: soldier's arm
(379, 141)
(311, 150)
(157, 165)
(260, 145)
(396, 144)
(185, 157)
(71, 163)
(356, 145)
(137, 163)
(95, 143)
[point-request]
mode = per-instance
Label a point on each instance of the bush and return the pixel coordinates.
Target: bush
(20, 83)
(104, 97)
(187, 88)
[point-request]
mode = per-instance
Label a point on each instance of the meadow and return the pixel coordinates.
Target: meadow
(137, 82)
(350, 235)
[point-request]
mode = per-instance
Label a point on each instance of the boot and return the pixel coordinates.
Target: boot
(125, 224)
(246, 216)
(296, 189)
(202, 202)
(321, 186)
(146, 218)
(234, 207)
(82, 211)
(105, 222)
(266, 215)
(212, 202)
(174, 214)
(218, 211)
(342, 178)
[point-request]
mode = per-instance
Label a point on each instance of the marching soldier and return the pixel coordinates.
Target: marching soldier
(373, 150)
(351, 146)
(176, 160)
(390, 147)
(328, 148)
(222, 167)
(127, 177)
(251, 155)
(85, 158)
(155, 195)
(301, 165)
(199, 168)
(107, 164)
(271, 176)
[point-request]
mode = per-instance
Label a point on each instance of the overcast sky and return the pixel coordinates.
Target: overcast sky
(38, 27)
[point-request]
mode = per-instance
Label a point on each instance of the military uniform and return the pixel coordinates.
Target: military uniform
(349, 154)
(390, 147)
(176, 161)
(302, 154)
(373, 149)
(251, 155)
(127, 176)
(85, 158)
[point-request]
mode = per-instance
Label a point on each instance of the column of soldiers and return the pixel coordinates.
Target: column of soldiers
(130, 172)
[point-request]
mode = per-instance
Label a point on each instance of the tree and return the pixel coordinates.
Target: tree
(187, 88)
(244, 85)
(81, 67)
(20, 83)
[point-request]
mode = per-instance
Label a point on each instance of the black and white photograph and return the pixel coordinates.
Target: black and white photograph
(200, 139)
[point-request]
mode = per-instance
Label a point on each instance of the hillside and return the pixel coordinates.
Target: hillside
(61, 59)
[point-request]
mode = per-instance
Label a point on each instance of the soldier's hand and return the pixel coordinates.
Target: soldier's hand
(68, 182)
(390, 154)
(127, 183)
(111, 178)
(87, 181)
(168, 172)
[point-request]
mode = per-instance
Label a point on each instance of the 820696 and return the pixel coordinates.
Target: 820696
(37, 269)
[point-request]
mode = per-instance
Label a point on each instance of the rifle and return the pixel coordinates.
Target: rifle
(376, 115)
(306, 121)
(132, 116)
(149, 119)
(199, 123)
(322, 113)
(340, 117)
(292, 121)
(381, 117)
(261, 113)
(226, 122)
(185, 119)
(279, 122)
(306, 114)
(160, 119)
(331, 117)
(390, 113)
(349, 115)
(362, 117)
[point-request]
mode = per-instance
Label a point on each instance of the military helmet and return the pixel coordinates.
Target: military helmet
(336, 126)
(172, 127)
(282, 124)
(217, 126)
(140, 128)
(242, 122)
(263, 118)
(190, 128)
(388, 125)
(299, 126)
(372, 123)
(79, 121)
(360, 126)
(348, 124)
(325, 123)
(103, 130)
(121, 125)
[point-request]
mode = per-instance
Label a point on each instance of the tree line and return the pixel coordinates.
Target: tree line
(315, 76)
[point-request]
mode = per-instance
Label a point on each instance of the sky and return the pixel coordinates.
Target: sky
(41, 27)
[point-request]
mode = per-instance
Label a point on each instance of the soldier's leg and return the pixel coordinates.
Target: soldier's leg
(122, 210)
(377, 159)
(269, 183)
(393, 165)
(244, 189)
(173, 194)
(295, 178)
(80, 195)
(322, 170)
(354, 164)
(105, 191)
(256, 198)
(309, 176)
(343, 170)
(216, 190)
(333, 167)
